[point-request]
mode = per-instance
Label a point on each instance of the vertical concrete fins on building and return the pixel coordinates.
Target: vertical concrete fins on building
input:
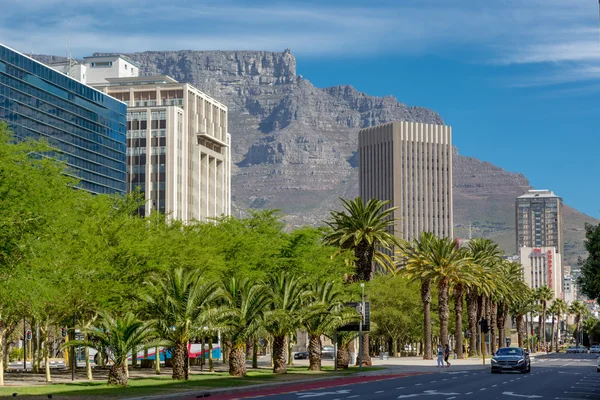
(178, 147)
(409, 163)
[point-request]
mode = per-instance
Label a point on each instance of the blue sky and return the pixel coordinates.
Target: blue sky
(518, 80)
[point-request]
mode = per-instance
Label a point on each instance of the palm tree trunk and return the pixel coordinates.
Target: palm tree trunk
(180, 361)
(493, 324)
(520, 330)
(366, 354)
(279, 351)
(237, 360)
(364, 261)
(211, 366)
(314, 352)
(552, 335)
(557, 330)
(157, 361)
(501, 322)
(443, 312)
(117, 374)
(343, 356)
(458, 312)
(539, 332)
(472, 315)
(543, 328)
(254, 355)
(426, 299)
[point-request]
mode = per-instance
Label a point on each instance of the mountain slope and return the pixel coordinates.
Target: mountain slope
(294, 144)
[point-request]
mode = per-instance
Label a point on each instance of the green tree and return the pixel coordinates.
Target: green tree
(589, 280)
(368, 231)
(579, 310)
(180, 302)
(520, 307)
(413, 263)
(243, 314)
(287, 293)
(323, 312)
(118, 335)
(396, 316)
(561, 308)
(543, 294)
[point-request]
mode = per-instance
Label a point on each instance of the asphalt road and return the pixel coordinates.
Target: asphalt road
(556, 377)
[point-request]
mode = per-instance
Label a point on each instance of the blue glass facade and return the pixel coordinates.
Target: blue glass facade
(86, 125)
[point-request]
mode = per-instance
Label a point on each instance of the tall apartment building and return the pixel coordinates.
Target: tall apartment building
(409, 163)
(178, 146)
(539, 220)
(87, 126)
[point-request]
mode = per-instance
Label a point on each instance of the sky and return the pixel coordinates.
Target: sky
(518, 80)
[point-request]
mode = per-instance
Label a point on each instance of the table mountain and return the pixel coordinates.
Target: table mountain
(294, 145)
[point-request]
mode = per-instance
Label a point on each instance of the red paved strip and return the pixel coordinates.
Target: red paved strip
(291, 388)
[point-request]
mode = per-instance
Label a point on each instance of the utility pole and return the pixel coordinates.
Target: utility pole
(360, 332)
(24, 347)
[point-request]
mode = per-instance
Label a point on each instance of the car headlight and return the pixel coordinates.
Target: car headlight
(494, 361)
(521, 361)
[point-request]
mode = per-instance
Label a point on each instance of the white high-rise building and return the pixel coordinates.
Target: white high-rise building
(178, 146)
(409, 163)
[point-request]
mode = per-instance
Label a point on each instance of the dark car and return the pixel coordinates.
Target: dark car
(301, 355)
(511, 359)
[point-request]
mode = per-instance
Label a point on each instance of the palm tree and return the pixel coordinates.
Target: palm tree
(178, 303)
(413, 262)
(287, 293)
(485, 255)
(579, 310)
(519, 309)
(561, 309)
(368, 231)
(509, 291)
(323, 313)
(243, 314)
(543, 294)
(118, 336)
(449, 265)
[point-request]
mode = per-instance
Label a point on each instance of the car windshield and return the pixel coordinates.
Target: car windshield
(509, 351)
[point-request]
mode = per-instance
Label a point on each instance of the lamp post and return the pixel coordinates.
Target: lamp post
(360, 332)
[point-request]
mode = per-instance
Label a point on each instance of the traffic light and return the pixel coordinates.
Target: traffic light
(484, 325)
(28, 335)
(63, 332)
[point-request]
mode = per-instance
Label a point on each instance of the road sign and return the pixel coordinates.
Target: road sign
(354, 326)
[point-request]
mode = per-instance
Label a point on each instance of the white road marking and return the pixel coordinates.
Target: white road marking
(399, 388)
(380, 391)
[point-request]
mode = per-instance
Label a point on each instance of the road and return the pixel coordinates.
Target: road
(556, 377)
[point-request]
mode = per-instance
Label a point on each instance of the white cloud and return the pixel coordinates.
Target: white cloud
(561, 33)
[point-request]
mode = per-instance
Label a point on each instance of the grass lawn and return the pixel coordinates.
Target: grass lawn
(154, 385)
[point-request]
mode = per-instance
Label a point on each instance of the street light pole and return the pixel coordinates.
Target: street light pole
(360, 332)
(24, 347)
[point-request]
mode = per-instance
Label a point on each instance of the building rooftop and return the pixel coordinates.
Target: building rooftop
(138, 80)
(98, 56)
(538, 193)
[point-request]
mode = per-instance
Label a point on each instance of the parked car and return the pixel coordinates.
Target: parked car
(511, 359)
(327, 352)
(595, 349)
(301, 355)
(576, 350)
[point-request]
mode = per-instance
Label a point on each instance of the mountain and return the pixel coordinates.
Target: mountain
(294, 145)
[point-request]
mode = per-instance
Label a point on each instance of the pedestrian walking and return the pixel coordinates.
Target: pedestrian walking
(447, 355)
(440, 358)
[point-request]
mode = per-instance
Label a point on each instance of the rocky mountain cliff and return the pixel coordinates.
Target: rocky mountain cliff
(294, 145)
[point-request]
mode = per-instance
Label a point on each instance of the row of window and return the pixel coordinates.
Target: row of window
(24, 126)
(141, 134)
(78, 126)
(136, 151)
(58, 129)
(97, 104)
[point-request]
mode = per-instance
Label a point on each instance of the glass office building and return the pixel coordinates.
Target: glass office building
(87, 126)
